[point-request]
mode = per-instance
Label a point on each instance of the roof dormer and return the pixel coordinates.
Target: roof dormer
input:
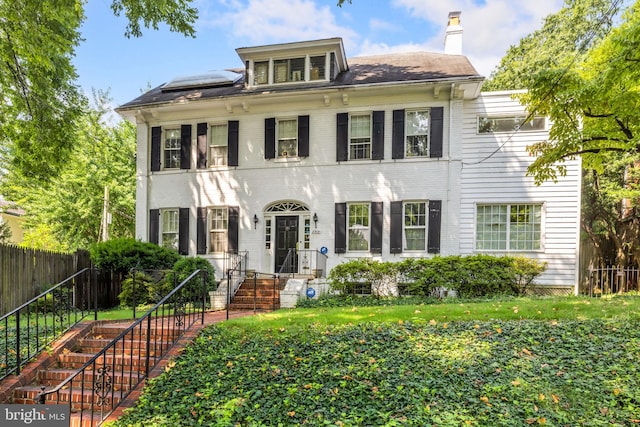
(293, 63)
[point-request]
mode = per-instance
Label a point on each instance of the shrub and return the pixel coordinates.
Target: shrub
(123, 254)
(471, 276)
(135, 290)
(187, 265)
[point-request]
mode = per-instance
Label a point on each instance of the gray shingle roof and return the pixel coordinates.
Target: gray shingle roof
(377, 69)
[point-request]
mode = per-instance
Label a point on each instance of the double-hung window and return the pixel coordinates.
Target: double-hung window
(169, 226)
(512, 227)
(218, 229)
(359, 231)
(171, 148)
(287, 138)
(417, 133)
(415, 226)
(218, 145)
(511, 124)
(359, 136)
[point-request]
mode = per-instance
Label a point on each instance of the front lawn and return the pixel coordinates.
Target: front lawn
(555, 362)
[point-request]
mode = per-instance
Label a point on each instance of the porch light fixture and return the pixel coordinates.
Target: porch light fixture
(315, 219)
(255, 221)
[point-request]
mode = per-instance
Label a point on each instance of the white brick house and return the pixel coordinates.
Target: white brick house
(386, 157)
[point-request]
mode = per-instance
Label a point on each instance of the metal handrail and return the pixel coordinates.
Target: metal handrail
(316, 265)
(236, 274)
(45, 325)
(170, 324)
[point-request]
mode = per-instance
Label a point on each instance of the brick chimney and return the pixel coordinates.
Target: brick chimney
(453, 36)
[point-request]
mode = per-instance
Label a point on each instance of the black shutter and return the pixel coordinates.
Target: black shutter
(201, 230)
(303, 136)
(203, 145)
(232, 231)
(397, 138)
(376, 227)
(185, 147)
(342, 137)
(341, 228)
(183, 231)
(154, 225)
(435, 150)
(156, 141)
(270, 138)
(433, 244)
(396, 228)
(233, 132)
(377, 139)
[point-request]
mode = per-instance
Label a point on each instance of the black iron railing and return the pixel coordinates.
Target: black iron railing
(236, 273)
(304, 262)
(27, 330)
(613, 280)
(107, 378)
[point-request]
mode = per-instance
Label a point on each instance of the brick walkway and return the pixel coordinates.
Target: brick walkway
(210, 318)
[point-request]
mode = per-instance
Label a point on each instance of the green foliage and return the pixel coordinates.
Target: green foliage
(177, 14)
(471, 276)
(414, 373)
(71, 204)
(5, 232)
(122, 255)
(187, 265)
(135, 290)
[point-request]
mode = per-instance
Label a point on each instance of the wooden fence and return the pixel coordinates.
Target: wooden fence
(24, 273)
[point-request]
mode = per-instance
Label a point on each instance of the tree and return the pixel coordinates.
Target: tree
(584, 75)
(40, 101)
(5, 232)
(71, 204)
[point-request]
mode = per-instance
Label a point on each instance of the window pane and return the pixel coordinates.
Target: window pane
(415, 221)
(287, 138)
(414, 239)
(261, 73)
(317, 68)
(360, 138)
(417, 133)
(509, 227)
(524, 227)
(218, 145)
(172, 149)
(510, 124)
(491, 227)
(170, 224)
(218, 229)
(361, 126)
(296, 67)
(358, 227)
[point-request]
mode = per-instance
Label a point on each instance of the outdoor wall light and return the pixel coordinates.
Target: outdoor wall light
(255, 221)
(315, 219)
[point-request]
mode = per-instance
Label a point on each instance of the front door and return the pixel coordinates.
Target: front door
(286, 238)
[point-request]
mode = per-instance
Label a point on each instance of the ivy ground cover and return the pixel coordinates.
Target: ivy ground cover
(414, 372)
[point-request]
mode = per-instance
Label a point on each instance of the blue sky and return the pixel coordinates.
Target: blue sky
(108, 60)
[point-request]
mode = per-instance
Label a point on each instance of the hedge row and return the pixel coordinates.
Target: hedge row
(469, 276)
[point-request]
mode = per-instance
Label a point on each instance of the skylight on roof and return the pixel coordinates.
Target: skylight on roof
(216, 78)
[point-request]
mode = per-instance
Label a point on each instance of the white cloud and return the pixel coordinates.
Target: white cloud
(489, 28)
(275, 21)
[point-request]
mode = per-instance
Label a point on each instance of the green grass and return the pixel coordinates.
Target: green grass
(511, 362)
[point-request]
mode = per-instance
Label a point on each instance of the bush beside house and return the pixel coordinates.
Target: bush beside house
(470, 276)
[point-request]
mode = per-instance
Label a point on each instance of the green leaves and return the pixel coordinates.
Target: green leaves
(467, 373)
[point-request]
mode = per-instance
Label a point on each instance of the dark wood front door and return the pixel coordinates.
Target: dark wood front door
(286, 238)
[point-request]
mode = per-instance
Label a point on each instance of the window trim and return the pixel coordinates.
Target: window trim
(367, 233)
(305, 75)
(427, 134)
(508, 230)
(424, 227)
(279, 139)
(210, 145)
(516, 128)
(163, 232)
(350, 137)
(211, 230)
(165, 131)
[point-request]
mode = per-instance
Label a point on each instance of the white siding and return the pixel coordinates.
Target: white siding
(494, 171)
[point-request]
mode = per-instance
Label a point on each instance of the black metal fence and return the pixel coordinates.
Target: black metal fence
(613, 280)
(28, 329)
(108, 377)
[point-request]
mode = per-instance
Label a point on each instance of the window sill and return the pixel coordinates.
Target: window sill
(292, 159)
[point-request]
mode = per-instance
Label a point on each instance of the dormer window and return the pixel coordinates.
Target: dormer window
(293, 63)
